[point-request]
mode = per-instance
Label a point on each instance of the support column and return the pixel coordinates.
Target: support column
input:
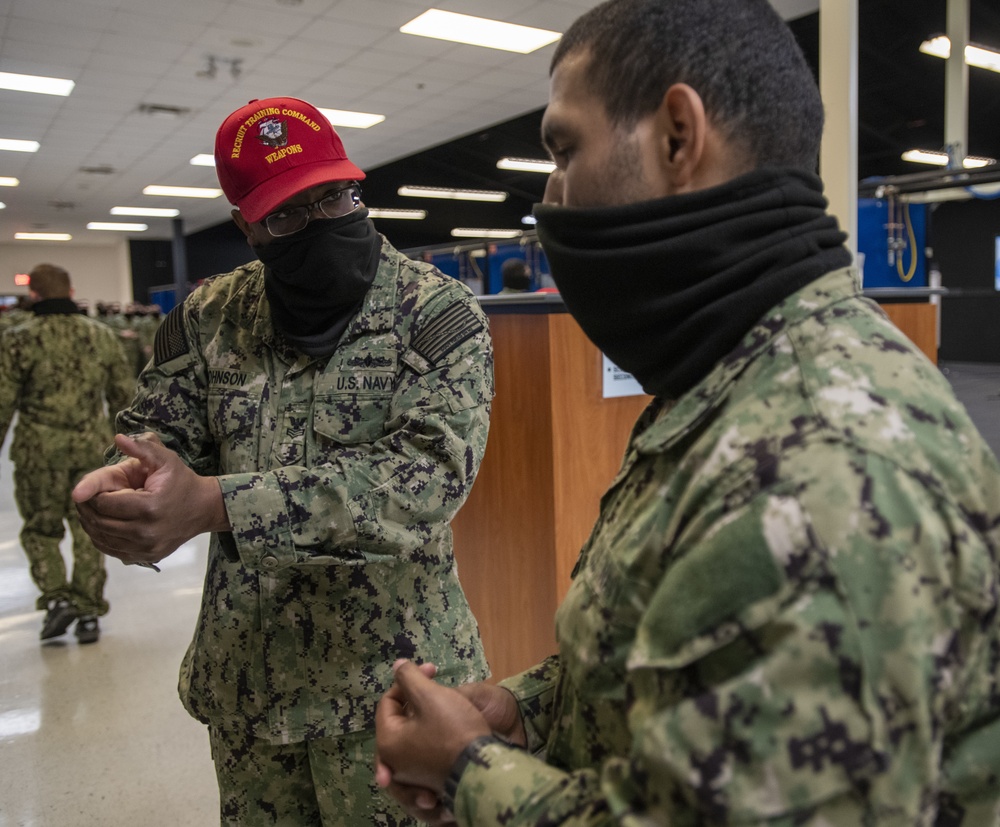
(838, 84)
(956, 90)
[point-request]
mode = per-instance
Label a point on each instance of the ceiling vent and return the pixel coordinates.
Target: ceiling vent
(103, 169)
(62, 205)
(161, 110)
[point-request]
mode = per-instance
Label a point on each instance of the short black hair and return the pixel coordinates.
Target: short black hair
(738, 55)
(514, 273)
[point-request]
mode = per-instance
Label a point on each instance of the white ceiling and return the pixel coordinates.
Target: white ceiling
(341, 54)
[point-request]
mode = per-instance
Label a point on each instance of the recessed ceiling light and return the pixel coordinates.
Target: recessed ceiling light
(453, 194)
(19, 146)
(529, 219)
(526, 164)
(2, 205)
(182, 192)
(119, 226)
(43, 236)
(355, 120)
(9, 182)
(203, 160)
(940, 46)
(404, 215)
(149, 212)
(479, 31)
(475, 232)
(926, 156)
(36, 83)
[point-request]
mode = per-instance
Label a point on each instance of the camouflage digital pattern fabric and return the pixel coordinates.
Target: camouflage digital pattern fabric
(252, 794)
(787, 612)
(340, 478)
(56, 371)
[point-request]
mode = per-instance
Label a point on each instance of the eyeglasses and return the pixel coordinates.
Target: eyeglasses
(332, 205)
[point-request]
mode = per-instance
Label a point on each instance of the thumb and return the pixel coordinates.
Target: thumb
(413, 682)
(145, 447)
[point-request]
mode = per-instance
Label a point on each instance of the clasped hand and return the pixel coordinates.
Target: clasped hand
(148, 505)
(422, 727)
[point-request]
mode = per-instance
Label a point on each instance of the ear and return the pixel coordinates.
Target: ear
(244, 225)
(683, 128)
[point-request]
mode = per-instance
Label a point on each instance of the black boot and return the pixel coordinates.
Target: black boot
(57, 619)
(87, 629)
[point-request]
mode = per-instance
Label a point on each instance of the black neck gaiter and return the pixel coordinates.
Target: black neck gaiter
(666, 288)
(315, 279)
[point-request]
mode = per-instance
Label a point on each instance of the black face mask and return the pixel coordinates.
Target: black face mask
(316, 278)
(667, 288)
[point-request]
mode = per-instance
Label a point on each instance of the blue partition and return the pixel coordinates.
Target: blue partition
(906, 267)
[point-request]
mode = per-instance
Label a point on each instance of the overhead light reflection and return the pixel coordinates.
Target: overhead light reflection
(453, 194)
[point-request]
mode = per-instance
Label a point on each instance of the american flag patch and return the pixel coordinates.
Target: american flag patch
(447, 331)
(171, 340)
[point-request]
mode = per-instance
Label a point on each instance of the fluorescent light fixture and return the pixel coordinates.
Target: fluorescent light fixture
(2, 205)
(474, 232)
(203, 160)
(36, 83)
(479, 31)
(148, 212)
(526, 165)
(453, 194)
(529, 219)
(119, 226)
(43, 236)
(182, 192)
(940, 46)
(355, 120)
(9, 182)
(926, 156)
(403, 215)
(18, 146)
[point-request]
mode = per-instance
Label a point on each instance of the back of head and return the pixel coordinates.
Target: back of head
(738, 55)
(274, 148)
(50, 282)
(514, 273)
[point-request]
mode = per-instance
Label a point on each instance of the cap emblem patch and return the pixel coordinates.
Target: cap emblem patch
(273, 132)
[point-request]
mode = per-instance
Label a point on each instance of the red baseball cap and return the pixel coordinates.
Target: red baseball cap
(272, 149)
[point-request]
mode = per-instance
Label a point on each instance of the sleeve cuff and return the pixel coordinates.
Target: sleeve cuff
(474, 753)
(260, 532)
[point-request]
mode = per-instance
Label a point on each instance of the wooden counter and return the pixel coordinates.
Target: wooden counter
(555, 444)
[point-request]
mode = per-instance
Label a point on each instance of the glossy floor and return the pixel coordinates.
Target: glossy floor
(95, 735)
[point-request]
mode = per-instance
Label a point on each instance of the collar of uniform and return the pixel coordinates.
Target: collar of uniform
(376, 313)
(55, 307)
(378, 310)
(704, 397)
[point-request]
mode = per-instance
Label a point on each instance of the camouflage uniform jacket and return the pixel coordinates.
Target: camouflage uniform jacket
(786, 613)
(57, 369)
(340, 477)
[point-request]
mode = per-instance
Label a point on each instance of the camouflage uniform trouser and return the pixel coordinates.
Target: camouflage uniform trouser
(43, 500)
(325, 782)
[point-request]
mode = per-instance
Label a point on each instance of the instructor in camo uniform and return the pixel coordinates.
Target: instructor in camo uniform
(323, 412)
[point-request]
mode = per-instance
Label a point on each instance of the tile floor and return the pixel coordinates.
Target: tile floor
(94, 736)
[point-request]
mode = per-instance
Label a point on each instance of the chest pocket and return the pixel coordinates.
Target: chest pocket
(350, 419)
(353, 401)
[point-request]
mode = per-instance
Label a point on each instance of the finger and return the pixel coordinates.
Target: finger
(390, 706)
(120, 510)
(383, 775)
(429, 669)
(112, 478)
